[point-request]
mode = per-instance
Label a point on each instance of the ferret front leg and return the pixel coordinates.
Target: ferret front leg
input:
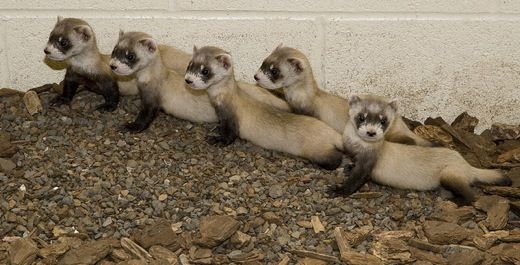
(148, 112)
(228, 128)
(110, 92)
(70, 86)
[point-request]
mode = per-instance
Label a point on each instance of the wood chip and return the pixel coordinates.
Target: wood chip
(285, 260)
(317, 225)
(135, 249)
(366, 195)
(343, 245)
(314, 255)
(502, 191)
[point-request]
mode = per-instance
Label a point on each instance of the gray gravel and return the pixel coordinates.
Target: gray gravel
(81, 174)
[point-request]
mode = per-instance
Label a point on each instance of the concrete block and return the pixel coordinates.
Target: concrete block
(449, 6)
(434, 67)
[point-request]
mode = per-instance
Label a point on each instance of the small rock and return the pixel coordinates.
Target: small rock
(444, 233)
(32, 102)
(240, 239)
(304, 224)
(6, 165)
(276, 191)
(131, 163)
(163, 197)
(272, 218)
(22, 252)
(107, 221)
(215, 229)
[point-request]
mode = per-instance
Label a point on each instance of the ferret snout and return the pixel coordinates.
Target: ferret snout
(256, 77)
(113, 67)
(371, 133)
(46, 51)
(188, 81)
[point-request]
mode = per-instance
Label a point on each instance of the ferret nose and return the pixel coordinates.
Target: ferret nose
(46, 51)
(371, 134)
(188, 81)
(256, 77)
(113, 67)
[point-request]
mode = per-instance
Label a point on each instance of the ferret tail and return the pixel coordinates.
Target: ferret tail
(489, 176)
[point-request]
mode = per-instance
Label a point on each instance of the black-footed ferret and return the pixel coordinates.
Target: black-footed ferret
(289, 68)
(73, 41)
(160, 88)
(399, 165)
(240, 115)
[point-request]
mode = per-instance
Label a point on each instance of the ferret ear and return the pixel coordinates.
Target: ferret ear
(60, 18)
(225, 60)
(84, 31)
(354, 99)
(279, 46)
(195, 49)
(121, 33)
(296, 63)
(149, 44)
(393, 104)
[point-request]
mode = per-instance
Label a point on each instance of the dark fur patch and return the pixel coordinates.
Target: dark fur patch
(372, 118)
(228, 126)
(303, 111)
(62, 46)
(195, 68)
(332, 161)
(274, 73)
(361, 174)
(103, 85)
(129, 59)
(459, 188)
(148, 112)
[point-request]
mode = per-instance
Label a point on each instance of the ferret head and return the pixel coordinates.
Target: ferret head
(371, 116)
(208, 66)
(283, 67)
(133, 52)
(70, 37)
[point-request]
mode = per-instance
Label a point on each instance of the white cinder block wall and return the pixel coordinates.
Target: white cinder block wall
(439, 57)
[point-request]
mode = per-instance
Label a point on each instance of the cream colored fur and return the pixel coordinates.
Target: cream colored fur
(302, 92)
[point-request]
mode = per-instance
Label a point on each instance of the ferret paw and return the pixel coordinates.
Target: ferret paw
(340, 190)
(131, 127)
(217, 141)
(107, 107)
(59, 100)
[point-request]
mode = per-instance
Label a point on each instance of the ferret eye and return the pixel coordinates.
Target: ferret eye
(383, 121)
(130, 57)
(63, 42)
(205, 72)
(275, 71)
(361, 118)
